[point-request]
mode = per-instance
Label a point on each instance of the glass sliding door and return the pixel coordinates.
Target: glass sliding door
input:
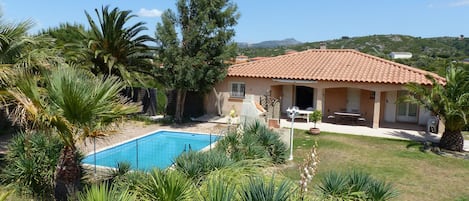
(406, 112)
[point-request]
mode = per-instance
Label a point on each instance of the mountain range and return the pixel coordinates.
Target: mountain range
(270, 44)
(433, 54)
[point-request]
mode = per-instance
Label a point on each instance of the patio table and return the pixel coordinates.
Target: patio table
(305, 114)
(349, 115)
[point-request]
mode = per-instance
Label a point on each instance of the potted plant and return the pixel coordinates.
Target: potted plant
(315, 117)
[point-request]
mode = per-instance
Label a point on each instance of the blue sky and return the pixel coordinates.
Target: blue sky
(304, 20)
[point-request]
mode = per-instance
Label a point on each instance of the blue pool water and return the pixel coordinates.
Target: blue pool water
(158, 149)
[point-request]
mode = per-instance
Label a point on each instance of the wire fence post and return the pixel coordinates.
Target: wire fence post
(94, 155)
(136, 150)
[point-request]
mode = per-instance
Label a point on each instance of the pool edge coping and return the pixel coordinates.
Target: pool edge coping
(147, 134)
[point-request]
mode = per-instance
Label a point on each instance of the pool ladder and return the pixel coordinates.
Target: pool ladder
(185, 148)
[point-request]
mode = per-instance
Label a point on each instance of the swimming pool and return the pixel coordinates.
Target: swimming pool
(158, 149)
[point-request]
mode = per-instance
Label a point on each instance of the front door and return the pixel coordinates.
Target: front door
(406, 112)
(304, 97)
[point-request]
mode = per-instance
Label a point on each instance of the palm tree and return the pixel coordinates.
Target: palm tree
(116, 49)
(75, 104)
(13, 37)
(449, 101)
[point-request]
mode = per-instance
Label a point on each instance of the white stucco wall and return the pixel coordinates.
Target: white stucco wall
(390, 106)
(287, 97)
(424, 115)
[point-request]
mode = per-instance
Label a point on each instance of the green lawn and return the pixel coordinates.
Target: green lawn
(466, 135)
(417, 175)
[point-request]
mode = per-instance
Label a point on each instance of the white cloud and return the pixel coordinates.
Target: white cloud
(459, 3)
(149, 13)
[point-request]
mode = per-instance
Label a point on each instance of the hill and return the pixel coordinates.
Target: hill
(271, 43)
(433, 54)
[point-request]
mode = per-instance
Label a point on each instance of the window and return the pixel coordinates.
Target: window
(237, 89)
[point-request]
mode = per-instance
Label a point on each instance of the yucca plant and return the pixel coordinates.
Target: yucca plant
(123, 168)
(257, 189)
(256, 141)
(196, 165)
(130, 181)
(359, 181)
(105, 192)
(166, 185)
(218, 189)
(355, 185)
(334, 185)
(30, 163)
(380, 190)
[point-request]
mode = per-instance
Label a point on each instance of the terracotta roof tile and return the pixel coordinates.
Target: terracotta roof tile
(331, 65)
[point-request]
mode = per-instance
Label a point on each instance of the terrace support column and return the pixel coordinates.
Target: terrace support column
(319, 98)
(376, 109)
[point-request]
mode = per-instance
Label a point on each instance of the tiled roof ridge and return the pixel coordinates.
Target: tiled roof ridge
(289, 55)
(409, 72)
(399, 65)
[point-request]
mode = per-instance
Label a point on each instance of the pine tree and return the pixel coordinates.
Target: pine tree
(194, 44)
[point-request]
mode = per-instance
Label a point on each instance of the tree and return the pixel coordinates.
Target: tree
(71, 41)
(117, 49)
(196, 60)
(75, 104)
(449, 101)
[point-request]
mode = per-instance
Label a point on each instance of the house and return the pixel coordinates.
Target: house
(241, 59)
(400, 55)
(329, 80)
